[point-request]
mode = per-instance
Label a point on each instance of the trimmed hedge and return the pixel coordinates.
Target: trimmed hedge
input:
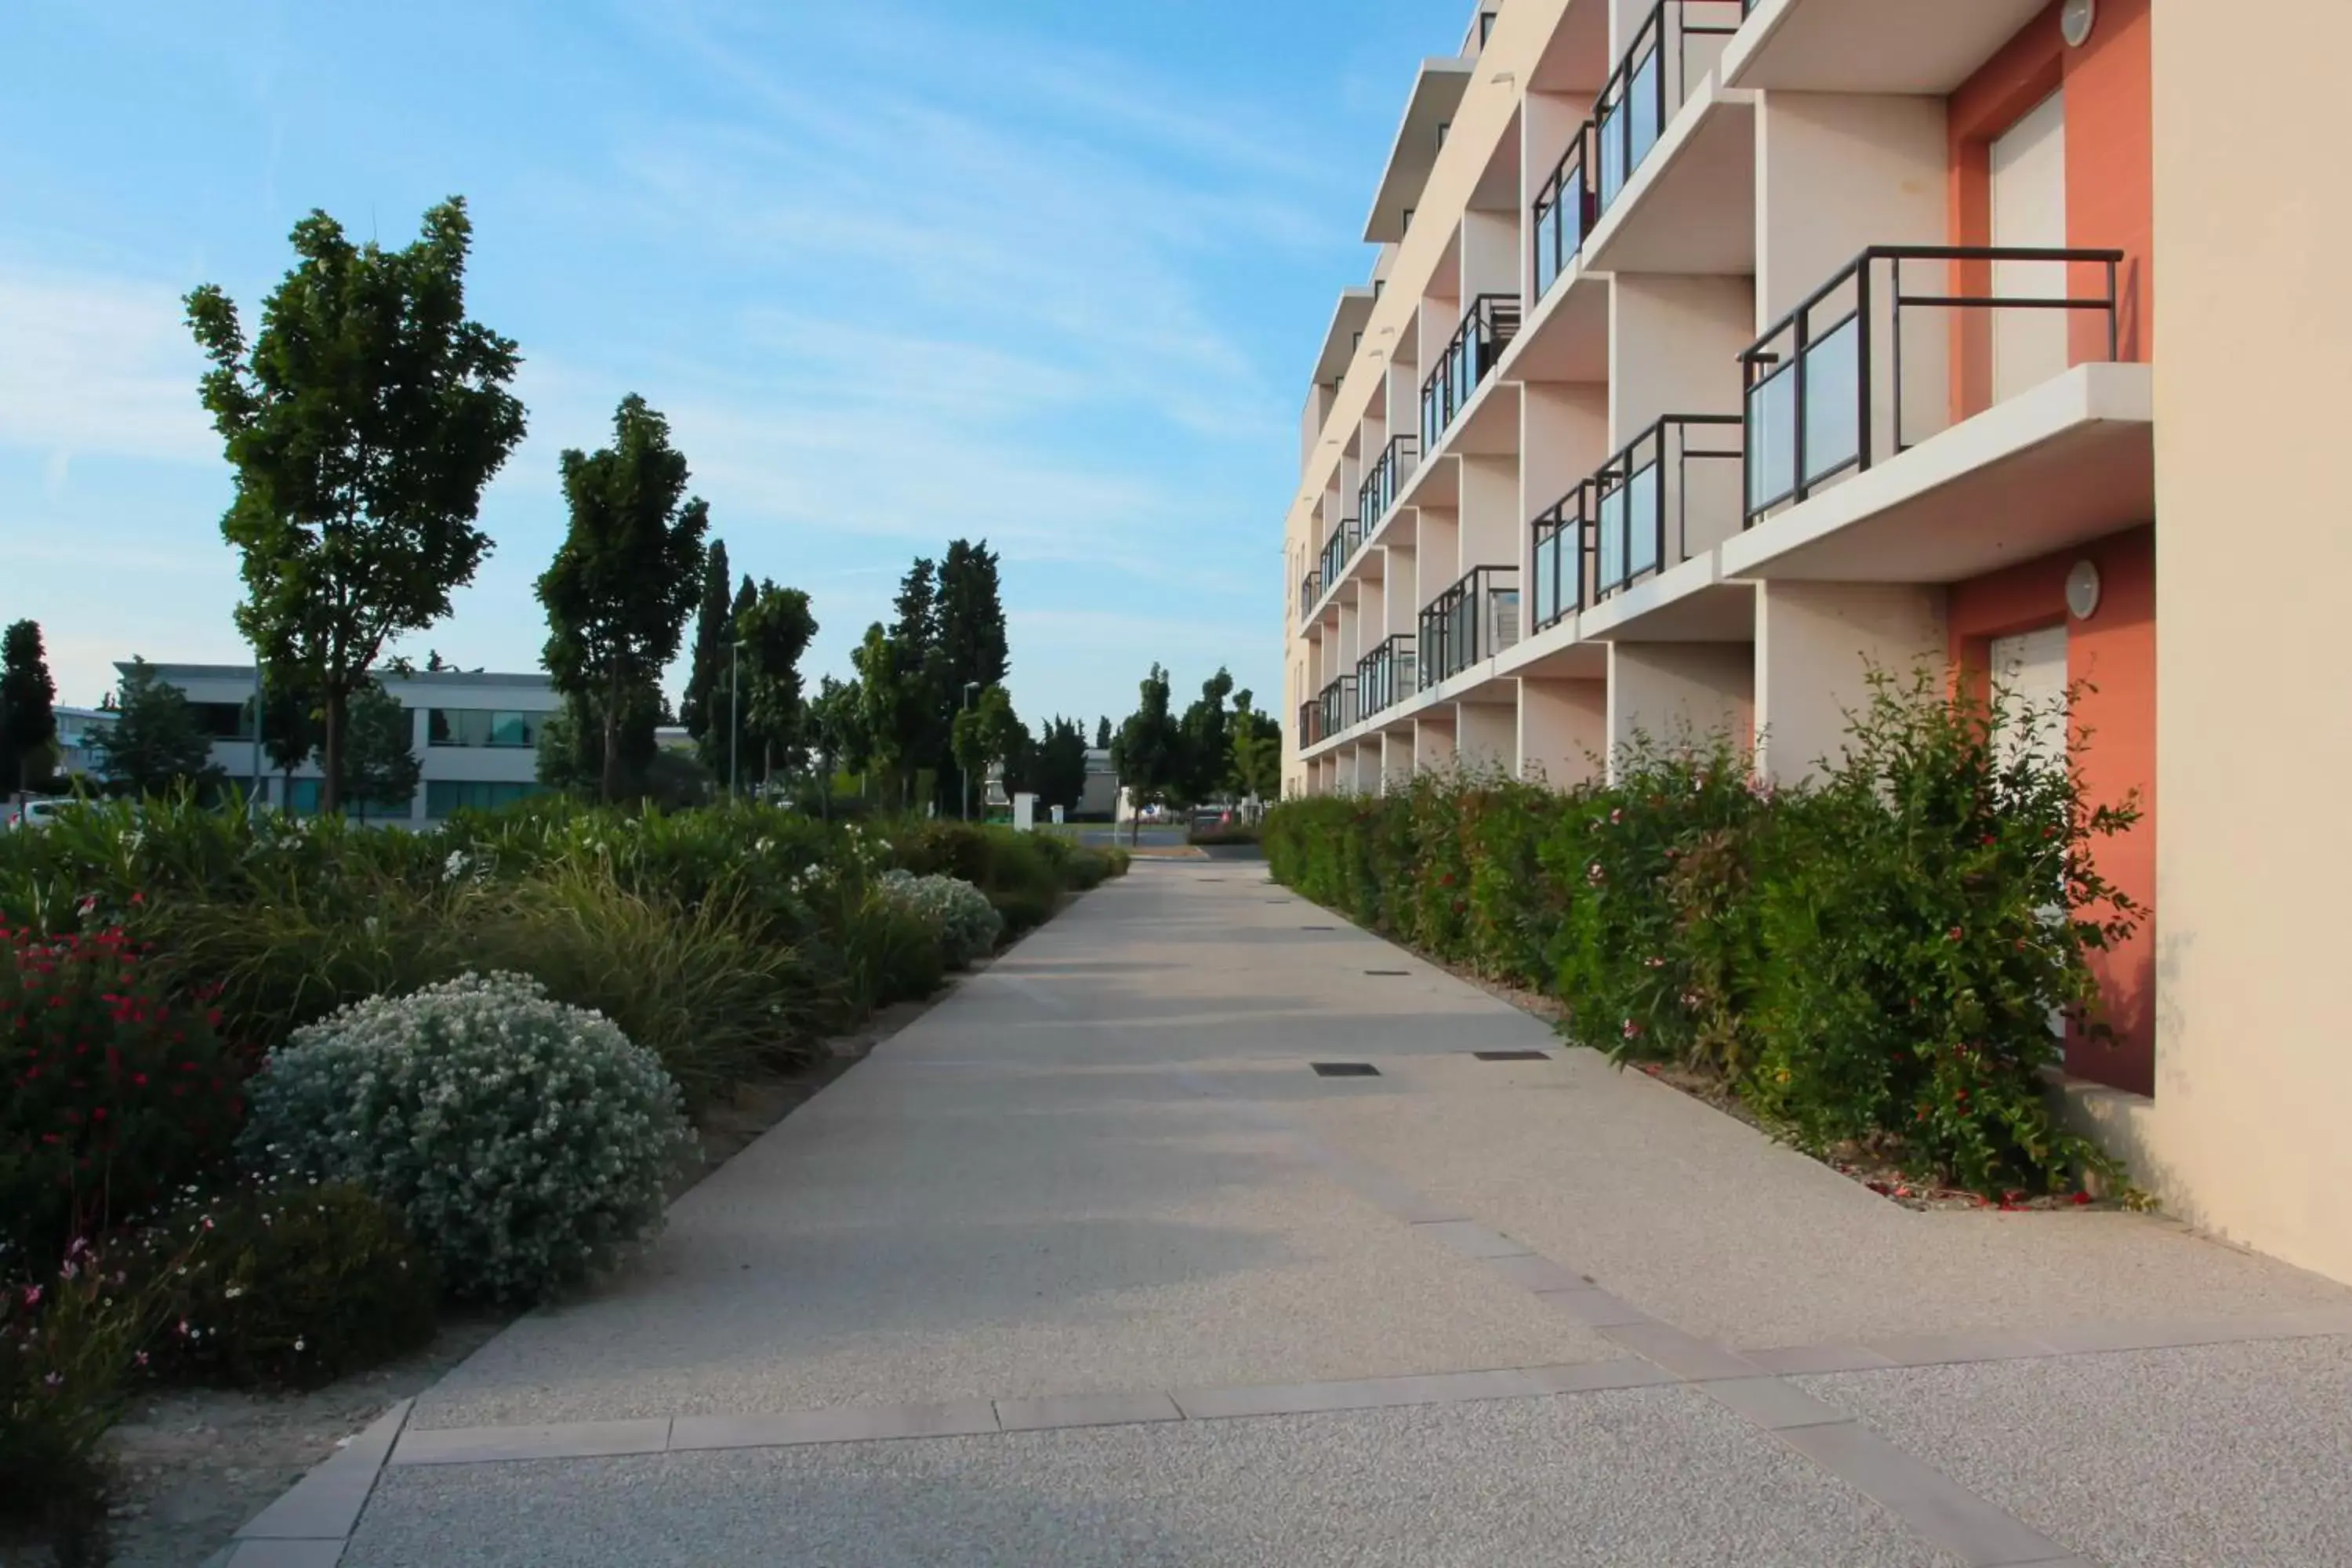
(1871, 959)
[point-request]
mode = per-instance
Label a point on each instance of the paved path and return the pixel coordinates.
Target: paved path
(1088, 1267)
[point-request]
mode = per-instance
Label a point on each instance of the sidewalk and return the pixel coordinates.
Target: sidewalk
(1086, 1265)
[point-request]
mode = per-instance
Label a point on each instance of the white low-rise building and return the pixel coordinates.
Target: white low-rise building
(475, 732)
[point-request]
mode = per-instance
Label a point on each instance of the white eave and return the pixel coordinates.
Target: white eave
(1348, 320)
(1436, 95)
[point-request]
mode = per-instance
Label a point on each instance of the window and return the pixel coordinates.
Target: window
(444, 797)
(483, 727)
(302, 800)
(222, 720)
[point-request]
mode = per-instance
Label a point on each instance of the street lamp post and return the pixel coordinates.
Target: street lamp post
(969, 688)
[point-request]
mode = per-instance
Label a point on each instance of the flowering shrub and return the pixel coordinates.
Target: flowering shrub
(69, 1344)
(1870, 960)
(291, 1284)
(527, 1142)
(111, 1095)
(967, 923)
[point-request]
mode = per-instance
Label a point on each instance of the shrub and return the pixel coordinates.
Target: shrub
(110, 1094)
(291, 1284)
(1014, 870)
(891, 951)
(967, 923)
(528, 1142)
(69, 1343)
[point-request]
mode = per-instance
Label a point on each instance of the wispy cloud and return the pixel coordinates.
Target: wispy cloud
(98, 366)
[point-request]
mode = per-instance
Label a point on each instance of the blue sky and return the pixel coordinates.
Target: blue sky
(1051, 273)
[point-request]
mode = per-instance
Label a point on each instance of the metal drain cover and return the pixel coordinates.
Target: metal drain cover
(1346, 1069)
(1318, 928)
(1398, 973)
(1512, 1056)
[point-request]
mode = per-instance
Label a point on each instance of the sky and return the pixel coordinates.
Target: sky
(1047, 273)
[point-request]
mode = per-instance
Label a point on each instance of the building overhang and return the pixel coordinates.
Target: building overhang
(1687, 603)
(2059, 465)
(1348, 320)
(1436, 95)
(1913, 47)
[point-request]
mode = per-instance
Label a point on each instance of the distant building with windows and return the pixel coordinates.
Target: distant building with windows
(79, 730)
(476, 734)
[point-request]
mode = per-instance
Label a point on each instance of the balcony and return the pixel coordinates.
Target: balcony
(1335, 706)
(1310, 719)
(1338, 549)
(1384, 677)
(1671, 52)
(1310, 589)
(1469, 623)
(1381, 488)
(1435, 99)
(1563, 212)
(1896, 463)
(1487, 329)
(1667, 496)
(1908, 47)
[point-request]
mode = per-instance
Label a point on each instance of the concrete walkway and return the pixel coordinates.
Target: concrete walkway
(1088, 1266)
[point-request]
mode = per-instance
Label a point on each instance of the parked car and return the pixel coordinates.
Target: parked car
(40, 813)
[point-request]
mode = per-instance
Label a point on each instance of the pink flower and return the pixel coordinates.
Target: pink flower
(1633, 1030)
(32, 1295)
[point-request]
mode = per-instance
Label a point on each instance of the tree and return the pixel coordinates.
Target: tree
(987, 733)
(1058, 773)
(775, 630)
(380, 767)
(1205, 756)
(290, 732)
(28, 718)
(972, 652)
(714, 629)
(836, 726)
(363, 424)
(1256, 746)
(155, 744)
(572, 746)
(630, 565)
(882, 702)
(1147, 750)
(1102, 733)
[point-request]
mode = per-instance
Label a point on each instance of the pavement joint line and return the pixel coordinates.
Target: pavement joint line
(308, 1524)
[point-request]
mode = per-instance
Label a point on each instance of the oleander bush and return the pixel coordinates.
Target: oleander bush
(967, 923)
(113, 1094)
(527, 1142)
(288, 1284)
(1870, 960)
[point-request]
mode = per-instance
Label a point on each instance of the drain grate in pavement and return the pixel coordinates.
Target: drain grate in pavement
(1318, 928)
(1346, 1069)
(1512, 1056)
(1394, 973)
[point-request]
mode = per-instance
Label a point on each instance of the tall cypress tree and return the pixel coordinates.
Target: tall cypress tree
(28, 720)
(712, 633)
(972, 653)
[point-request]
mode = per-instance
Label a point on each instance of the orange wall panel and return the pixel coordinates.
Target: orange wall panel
(2113, 655)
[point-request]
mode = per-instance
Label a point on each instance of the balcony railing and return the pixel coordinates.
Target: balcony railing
(1487, 329)
(1378, 491)
(1384, 677)
(1651, 82)
(1825, 387)
(1310, 719)
(1336, 706)
(1632, 518)
(1563, 211)
(1339, 549)
(1470, 622)
(1310, 589)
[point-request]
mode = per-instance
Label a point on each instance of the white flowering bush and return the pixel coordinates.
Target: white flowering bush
(968, 923)
(528, 1142)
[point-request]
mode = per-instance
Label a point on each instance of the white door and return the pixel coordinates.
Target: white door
(2031, 669)
(2028, 208)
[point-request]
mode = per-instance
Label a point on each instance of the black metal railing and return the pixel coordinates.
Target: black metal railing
(1336, 705)
(1649, 84)
(1310, 589)
(1310, 716)
(1339, 549)
(1632, 518)
(1824, 387)
(1487, 329)
(1379, 490)
(1384, 677)
(1562, 215)
(1469, 623)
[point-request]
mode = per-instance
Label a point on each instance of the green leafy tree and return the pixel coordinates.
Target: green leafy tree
(380, 767)
(836, 723)
(1205, 755)
(155, 744)
(714, 629)
(1058, 773)
(775, 630)
(882, 702)
(1148, 750)
(1102, 733)
(924, 710)
(1257, 748)
(291, 730)
(363, 424)
(621, 586)
(28, 720)
(973, 651)
(988, 733)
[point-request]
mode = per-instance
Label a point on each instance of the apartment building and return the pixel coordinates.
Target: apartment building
(1716, 351)
(476, 736)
